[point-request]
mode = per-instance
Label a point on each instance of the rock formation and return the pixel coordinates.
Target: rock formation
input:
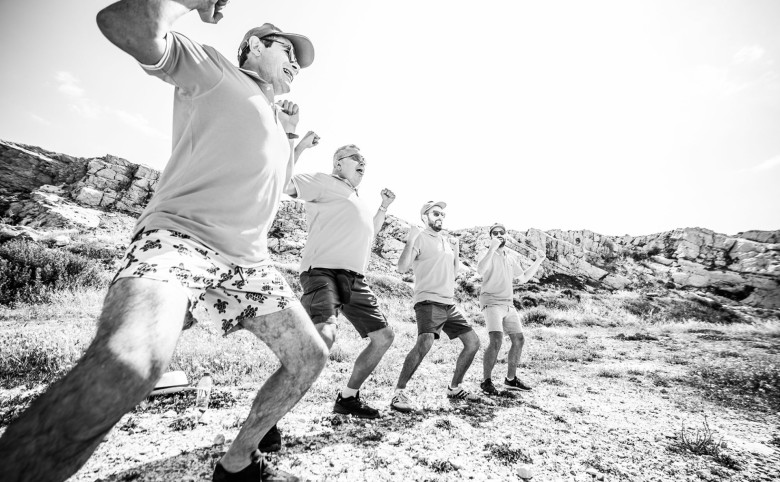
(46, 190)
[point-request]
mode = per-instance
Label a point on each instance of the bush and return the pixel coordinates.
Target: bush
(30, 272)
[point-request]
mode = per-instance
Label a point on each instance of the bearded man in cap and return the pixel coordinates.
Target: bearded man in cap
(199, 246)
(498, 266)
(341, 231)
(434, 258)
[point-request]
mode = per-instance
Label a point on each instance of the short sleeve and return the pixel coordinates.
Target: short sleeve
(309, 187)
(417, 246)
(187, 65)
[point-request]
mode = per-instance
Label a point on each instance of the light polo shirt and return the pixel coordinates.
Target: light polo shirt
(503, 266)
(340, 225)
(231, 157)
(433, 263)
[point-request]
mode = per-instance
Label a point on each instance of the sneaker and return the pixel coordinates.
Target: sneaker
(258, 470)
(488, 387)
(461, 393)
(401, 403)
(272, 441)
(353, 406)
(515, 384)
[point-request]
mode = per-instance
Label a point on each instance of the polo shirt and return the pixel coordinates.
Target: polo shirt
(433, 263)
(230, 160)
(339, 222)
(503, 266)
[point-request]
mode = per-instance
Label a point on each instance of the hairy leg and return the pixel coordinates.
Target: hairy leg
(414, 358)
(491, 353)
(302, 353)
(470, 348)
(515, 351)
(369, 358)
(136, 335)
(327, 331)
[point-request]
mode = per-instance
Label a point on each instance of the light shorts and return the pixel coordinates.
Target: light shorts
(502, 318)
(218, 289)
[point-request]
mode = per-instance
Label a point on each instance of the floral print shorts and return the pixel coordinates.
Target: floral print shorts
(219, 290)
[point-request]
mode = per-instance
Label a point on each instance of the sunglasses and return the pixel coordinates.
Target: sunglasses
(287, 48)
(498, 233)
(438, 214)
(354, 157)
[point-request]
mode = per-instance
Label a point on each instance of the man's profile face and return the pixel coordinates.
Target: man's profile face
(435, 218)
(499, 233)
(278, 65)
(352, 167)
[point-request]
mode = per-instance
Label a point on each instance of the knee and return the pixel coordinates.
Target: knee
(471, 342)
(518, 338)
(313, 357)
(384, 337)
(424, 343)
(496, 340)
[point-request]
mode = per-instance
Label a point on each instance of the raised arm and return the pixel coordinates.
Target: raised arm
(379, 218)
(530, 272)
(484, 261)
(311, 139)
(406, 258)
(139, 26)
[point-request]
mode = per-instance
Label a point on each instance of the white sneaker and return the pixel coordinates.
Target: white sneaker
(461, 393)
(401, 403)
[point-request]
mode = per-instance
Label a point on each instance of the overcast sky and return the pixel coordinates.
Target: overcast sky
(621, 117)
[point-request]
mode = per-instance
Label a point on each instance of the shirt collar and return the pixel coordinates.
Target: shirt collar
(266, 87)
(345, 181)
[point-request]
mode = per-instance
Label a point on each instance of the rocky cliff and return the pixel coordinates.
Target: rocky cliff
(46, 190)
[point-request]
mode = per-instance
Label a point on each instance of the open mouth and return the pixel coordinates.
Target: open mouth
(289, 74)
(359, 171)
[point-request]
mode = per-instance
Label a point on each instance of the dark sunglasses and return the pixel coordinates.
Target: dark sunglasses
(498, 233)
(287, 48)
(438, 214)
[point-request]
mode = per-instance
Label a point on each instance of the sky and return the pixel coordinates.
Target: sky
(620, 117)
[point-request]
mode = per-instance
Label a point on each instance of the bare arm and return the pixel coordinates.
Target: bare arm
(455, 243)
(379, 218)
(138, 27)
(484, 262)
(530, 272)
(405, 260)
(311, 139)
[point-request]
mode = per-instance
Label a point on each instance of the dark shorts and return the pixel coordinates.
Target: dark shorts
(327, 291)
(433, 317)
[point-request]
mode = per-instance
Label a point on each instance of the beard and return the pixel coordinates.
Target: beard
(435, 227)
(503, 243)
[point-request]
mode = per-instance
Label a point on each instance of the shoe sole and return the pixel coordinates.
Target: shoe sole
(517, 389)
(344, 411)
(402, 410)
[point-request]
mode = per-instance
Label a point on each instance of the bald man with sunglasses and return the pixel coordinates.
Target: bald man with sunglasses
(341, 231)
(498, 266)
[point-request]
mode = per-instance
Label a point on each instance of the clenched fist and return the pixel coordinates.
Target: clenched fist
(388, 197)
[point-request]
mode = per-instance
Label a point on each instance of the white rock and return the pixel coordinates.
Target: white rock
(218, 440)
(524, 472)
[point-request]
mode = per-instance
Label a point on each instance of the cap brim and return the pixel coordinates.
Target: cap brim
(304, 49)
(169, 390)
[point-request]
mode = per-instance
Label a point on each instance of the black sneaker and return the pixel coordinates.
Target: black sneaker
(258, 470)
(488, 387)
(515, 384)
(272, 441)
(353, 406)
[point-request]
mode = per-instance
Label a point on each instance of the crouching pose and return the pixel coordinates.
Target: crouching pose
(434, 260)
(498, 265)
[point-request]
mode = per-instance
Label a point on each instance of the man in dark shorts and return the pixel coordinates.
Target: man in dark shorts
(200, 245)
(335, 258)
(434, 259)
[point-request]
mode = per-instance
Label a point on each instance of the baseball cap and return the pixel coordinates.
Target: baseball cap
(430, 204)
(171, 382)
(497, 225)
(304, 49)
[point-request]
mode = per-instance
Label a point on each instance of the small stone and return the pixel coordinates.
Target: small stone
(524, 472)
(218, 440)
(592, 472)
(169, 414)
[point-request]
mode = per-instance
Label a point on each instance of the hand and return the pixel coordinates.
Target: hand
(309, 140)
(495, 243)
(455, 242)
(388, 197)
(288, 115)
(414, 231)
(211, 11)
(540, 253)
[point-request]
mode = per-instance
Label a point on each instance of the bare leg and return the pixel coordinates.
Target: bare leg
(470, 348)
(491, 353)
(515, 351)
(414, 358)
(294, 340)
(136, 336)
(327, 331)
(370, 356)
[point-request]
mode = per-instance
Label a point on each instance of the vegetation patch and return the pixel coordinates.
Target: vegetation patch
(508, 454)
(751, 384)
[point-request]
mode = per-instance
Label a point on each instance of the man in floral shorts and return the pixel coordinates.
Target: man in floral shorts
(200, 245)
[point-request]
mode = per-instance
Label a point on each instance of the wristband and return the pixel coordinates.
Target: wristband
(292, 135)
(382, 208)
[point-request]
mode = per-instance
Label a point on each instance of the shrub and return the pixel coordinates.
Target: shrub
(30, 272)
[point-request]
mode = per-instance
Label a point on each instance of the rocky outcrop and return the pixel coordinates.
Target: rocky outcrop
(44, 190)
